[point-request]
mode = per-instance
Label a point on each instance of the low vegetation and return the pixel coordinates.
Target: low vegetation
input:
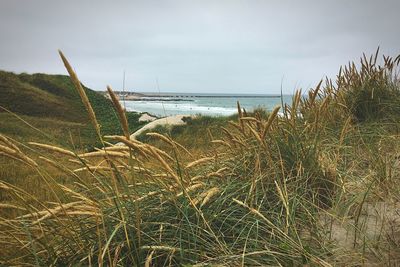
(313, 183)
(41, 98)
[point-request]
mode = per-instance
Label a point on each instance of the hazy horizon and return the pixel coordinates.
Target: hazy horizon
(234, 47)
(162, 93)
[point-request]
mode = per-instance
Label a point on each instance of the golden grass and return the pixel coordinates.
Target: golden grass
(54, 149)
(120, 112)
(256, 196)
(82, 93)
(11, 150)
(199, 161)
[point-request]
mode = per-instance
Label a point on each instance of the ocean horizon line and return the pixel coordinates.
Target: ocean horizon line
(197, 94)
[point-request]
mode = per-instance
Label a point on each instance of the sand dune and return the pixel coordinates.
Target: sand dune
(171, 120)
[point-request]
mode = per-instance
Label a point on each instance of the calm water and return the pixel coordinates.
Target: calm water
(215, 105)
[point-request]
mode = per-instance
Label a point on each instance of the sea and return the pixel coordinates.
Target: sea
(168, 104)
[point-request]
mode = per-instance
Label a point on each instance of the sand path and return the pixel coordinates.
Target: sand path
(146, 117)
(171, 120)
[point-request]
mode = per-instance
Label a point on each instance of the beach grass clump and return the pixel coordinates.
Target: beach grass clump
(368, 93)
(268, 188)
(372, 92)
(206, 210)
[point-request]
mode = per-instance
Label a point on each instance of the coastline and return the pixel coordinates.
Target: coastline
(167, 104)
(138, 96)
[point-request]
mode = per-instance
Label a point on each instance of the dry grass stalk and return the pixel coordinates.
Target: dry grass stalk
(78, 207)
(199, 161)
(5, 186)
(218, 173)
(104, 154)
(160, 248)
(221, 142)
(66, 210)
(162, 137)
(227, 132)
(256, 134)
(9, 143)
(190, 188)
(45, 212)
(313, 93)
(150, 194)
(239, 142)
(137, 146)
(199, 198)
(205, 196)
(284, 198)
(169, 141)
(165, 165)
(271, 119)
(214, 174)
(296, 100)
(122, 139)
(253, 211)
(10, 206)
(237, 127)
(149, 259)
(209, 194)
(97, 168)
(82, 93)
(159, 151)
(183, 148)
(54, 149)
(138, 168)
(18, 155)
(197, 177)
(250, 119)
(116, 148)
(11, 157)
(79, 196)
(52, 163)
(120, 111)
(90, 213)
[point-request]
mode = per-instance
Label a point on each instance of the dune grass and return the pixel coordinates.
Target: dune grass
(37, 97)
(316, 186)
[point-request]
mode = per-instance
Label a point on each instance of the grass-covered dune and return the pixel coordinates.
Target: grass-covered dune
(48, 109)
(315, 186)
(51, 100)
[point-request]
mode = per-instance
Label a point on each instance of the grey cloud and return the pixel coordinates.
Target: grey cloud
(195, 46)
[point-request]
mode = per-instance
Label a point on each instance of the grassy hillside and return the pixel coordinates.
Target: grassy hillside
(19, 95)
(54, 97)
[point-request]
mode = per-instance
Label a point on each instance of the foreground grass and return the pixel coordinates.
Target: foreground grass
(316, 186)
(77, 136)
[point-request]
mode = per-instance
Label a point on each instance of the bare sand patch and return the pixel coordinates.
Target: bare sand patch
(147, 117)
(167, 121)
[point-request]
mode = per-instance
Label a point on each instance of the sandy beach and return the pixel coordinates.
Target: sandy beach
(171, 120)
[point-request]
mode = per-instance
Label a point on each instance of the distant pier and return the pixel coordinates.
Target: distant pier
(134, 96)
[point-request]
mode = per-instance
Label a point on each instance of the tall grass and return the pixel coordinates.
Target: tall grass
(268, 191)
(365, 94)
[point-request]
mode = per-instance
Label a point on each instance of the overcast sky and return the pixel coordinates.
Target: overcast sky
(196, 46)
